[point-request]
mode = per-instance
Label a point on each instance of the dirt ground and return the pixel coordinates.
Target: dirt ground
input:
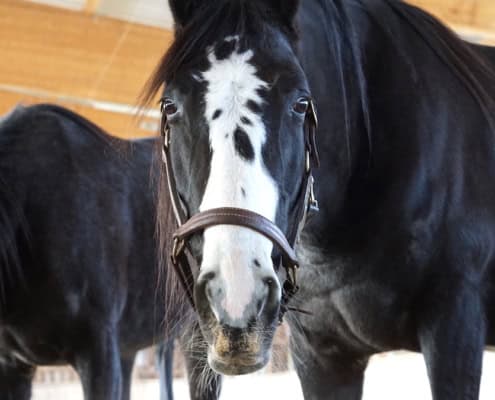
(389, 377)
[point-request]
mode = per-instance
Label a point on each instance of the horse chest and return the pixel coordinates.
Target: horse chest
(350, 307)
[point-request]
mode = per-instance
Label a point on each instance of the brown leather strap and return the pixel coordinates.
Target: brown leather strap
(179, 214)
(238, 217)
(184, 272)
(307, 201)
(312, 124)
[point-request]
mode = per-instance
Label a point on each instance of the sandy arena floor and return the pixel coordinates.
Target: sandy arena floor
(389, 377)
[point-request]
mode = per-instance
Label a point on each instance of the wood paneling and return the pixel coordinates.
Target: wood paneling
(474, 18)
(75, 53)
(121, 125)
(91, 6)
(69, 54)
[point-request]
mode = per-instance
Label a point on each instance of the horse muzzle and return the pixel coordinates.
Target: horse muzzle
(237, 351)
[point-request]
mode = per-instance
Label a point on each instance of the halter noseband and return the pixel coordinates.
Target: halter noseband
(187, 227)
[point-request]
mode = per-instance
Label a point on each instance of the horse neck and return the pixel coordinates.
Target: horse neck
(341, 138)
(419, 113)
(355, 160)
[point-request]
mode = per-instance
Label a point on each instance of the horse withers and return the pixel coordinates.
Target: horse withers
(401, 252)
(78, 259)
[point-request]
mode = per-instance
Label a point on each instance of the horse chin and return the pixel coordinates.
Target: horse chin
(237, 351)
(237, 364)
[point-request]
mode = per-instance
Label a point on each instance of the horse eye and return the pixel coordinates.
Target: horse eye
(301, 106)
(169, 107)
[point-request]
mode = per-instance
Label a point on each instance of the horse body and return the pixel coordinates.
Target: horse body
(401, 253)
(80, 283)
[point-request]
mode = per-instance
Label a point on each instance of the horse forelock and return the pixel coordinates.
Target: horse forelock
(250, 21)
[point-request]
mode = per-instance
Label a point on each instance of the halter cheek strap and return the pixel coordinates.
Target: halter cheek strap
(186, 228)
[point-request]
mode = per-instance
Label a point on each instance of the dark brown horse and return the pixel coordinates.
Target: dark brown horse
(78, 265)
(402, 251)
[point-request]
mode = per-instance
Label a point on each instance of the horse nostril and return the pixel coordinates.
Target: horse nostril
(265, 300)
(203, 291)
(209, 276)
(205, 282)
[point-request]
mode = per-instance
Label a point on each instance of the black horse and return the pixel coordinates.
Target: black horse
(402, 252)
(78, 259)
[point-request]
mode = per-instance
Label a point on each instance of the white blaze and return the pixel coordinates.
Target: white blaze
(236, 182)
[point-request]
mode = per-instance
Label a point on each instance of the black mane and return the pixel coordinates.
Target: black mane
(466, 64)
(457, 55)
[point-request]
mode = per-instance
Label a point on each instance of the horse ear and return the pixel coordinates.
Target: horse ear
(184, 10)
(286, 9)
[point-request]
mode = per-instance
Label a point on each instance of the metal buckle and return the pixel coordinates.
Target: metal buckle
(166, 135)
(177, 249)
(311, 151)
(292, 274)
(308, 161)
(313, 205)
(165, 128)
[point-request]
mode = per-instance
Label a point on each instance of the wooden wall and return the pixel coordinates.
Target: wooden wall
(84, 61)
(51, 54)
(473, 18)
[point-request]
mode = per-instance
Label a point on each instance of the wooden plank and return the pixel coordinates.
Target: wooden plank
(121, 125)
(73, 53)
(464, 15)
(78, 55)
(91, 6)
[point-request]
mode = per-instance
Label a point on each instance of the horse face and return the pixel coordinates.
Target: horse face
(237, 140)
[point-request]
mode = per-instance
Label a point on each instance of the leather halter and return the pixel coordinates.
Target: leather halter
(187, 227)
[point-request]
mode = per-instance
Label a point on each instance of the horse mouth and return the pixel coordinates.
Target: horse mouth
(236, 364)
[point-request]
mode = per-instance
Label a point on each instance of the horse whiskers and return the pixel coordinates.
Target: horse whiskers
(299, 310)
(206, 378)
(297, 351)
(170, 328)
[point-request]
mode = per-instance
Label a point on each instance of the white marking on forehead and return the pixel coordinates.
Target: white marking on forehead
(231, 84)
(236, 182)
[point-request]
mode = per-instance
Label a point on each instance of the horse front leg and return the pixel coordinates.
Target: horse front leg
(452, 340)
(165, 365)
(99, 366)
(16, 380)
(127, 364)
(339, 376)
